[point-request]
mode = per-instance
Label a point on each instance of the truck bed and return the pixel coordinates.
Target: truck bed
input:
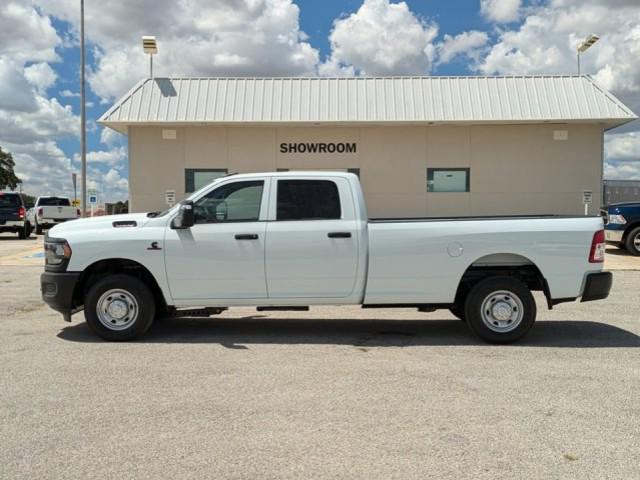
(479, 217)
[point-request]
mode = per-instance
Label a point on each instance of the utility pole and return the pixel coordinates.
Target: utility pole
(83, 120)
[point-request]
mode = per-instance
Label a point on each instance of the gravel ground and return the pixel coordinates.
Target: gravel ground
(330, 393)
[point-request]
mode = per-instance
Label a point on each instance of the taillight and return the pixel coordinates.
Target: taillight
(40, 211)
(21, 213)
(596, 255)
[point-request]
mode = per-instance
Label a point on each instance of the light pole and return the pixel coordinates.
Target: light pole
(83, 120)
(585, 45)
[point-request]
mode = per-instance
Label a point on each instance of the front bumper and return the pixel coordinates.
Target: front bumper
(597, 286)
(613, 236)
(57, 291)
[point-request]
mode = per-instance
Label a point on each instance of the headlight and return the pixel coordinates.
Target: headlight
(617, 219)
(56, 251)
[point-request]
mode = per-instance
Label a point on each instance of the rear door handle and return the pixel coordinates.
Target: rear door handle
(247, 236)
(339, 234)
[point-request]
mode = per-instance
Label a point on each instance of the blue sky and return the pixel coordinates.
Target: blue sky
(39, 55)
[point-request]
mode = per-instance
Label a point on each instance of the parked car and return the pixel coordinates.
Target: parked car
(288, 240)
(12, 215)
(50, 211)
(622, 227)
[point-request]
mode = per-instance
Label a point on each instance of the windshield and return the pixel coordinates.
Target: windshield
(190, 197)
(53, 202)
(9, 200)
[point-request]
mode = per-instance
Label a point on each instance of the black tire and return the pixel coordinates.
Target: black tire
(38, 229)
(132, 287)
(29, 229)
(632, 242)
(22, 233)
(516, 298)
(458, 312)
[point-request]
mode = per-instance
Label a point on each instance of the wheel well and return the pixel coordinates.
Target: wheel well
(116, 265)
(521, 268)
(627, 230)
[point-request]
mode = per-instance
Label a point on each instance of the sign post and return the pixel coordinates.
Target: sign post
(587, 199)
(93, 198)
(75, 193)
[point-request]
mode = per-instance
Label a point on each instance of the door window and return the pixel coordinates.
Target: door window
(233, 202)
(308, 200)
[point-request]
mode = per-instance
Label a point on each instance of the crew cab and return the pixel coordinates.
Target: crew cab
(12, 215)
(623, 226)
(50, 211)
(288, 240)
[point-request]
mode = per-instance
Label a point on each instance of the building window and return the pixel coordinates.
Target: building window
(448, 179)
(196, 178)
(308, 200)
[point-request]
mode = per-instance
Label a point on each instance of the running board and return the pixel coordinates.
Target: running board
(198, 312)
(283, 309)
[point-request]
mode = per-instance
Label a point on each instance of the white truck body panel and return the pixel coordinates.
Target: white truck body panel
(296, 263)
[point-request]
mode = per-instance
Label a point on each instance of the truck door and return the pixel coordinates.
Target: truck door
(312, 239)
(222, 255)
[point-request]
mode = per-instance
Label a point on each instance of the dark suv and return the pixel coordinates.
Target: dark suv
(623, 226)
(12, 215)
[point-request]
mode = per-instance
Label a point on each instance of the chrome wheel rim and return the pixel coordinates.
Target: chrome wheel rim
(636, 242)
(502, 311)
(117, 309)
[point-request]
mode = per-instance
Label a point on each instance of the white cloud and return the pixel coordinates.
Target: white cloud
(500, 11)
(69, 94)
(466, 43)
(112, 157)
(199, 37)
(16, 94)
(41, 76)
(25, 34)
(381, 38)
(110, 137)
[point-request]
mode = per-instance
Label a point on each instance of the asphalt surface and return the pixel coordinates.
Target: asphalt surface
(330, 393)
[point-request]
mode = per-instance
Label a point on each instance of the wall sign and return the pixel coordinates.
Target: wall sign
(304, 147)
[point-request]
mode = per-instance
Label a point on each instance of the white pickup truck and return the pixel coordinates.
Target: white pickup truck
(288, 240)
(50, 211)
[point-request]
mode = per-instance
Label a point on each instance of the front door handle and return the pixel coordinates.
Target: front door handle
(246, 236)
(339, 234)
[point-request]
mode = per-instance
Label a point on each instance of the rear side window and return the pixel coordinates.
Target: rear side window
(54, 202)
(308, 200)
(10, 200)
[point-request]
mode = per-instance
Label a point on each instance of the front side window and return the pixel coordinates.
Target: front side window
(308, 200)
(196, 178)
(233, 202)
(447, 179)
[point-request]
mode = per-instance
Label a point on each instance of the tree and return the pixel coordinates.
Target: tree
(7, 175)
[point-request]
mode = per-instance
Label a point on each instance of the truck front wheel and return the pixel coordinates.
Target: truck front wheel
(500, 309)
(38, 229)
(119, 307)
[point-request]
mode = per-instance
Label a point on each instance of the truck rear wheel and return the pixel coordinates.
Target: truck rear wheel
(500, 309)
(119, 308)
(632, 242)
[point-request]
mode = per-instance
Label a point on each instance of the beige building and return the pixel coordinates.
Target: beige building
(425, 146)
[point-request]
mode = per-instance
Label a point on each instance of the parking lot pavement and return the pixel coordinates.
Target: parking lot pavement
(330, 393)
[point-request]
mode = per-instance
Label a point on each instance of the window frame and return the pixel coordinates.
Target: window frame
(261, 208)
(432, 170)
(189, 177)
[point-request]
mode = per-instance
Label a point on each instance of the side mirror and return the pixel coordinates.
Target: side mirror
(185, 217)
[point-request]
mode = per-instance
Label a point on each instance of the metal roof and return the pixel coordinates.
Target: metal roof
(366, 100)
